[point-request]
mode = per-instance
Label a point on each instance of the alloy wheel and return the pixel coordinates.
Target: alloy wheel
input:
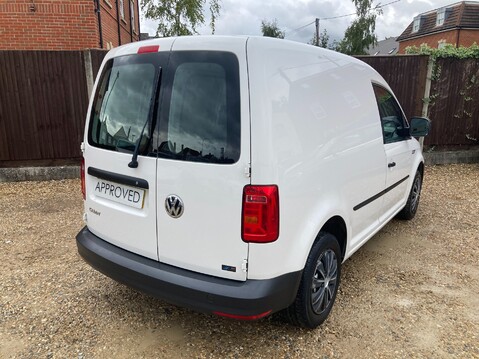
(324, 281)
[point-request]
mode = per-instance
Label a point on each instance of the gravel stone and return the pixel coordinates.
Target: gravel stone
(411, 292)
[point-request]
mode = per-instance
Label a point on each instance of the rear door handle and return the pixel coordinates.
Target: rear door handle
(392, 164)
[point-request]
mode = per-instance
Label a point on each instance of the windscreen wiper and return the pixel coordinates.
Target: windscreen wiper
(134, 160)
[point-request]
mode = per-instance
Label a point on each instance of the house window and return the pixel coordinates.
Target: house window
(441, 44)
(122, 9)
(417, 24)
(441, 16)
(132, 15)
(108, 3)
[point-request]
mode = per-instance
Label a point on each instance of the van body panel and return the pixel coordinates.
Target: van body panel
(318, 140)
(208, 234)
(236, 44)
(207, 237)
(193, 290)
(118, 222)
(164, 44)
(403, 154)
(229, 112)
(101, 212)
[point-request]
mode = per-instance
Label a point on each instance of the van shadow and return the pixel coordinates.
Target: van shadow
(155, 327)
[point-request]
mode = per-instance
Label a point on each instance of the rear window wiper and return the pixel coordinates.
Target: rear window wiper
(134, 160)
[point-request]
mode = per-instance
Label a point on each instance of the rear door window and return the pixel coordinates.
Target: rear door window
(200, 113)
(123, 100)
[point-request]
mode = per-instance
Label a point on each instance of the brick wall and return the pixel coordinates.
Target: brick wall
(63, 25)
(466, 38)
(48, 25)
(110, 24)
(431, 40)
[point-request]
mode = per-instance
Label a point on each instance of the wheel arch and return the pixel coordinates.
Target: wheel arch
(337, 227)
(420, 168)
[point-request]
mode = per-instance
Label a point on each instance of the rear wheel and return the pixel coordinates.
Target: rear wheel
(410, 209)
(319, 284)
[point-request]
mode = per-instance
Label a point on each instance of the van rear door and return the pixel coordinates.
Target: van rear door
(121, 201)
(203, 154)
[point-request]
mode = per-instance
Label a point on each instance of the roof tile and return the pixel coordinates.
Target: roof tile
(459, 15)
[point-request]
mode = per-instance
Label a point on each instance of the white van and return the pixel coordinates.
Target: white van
(234, 175)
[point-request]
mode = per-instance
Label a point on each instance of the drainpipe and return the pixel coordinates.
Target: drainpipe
(131, 21)
(97, 10)
(118, 21)
(457, 39)
(138, 14)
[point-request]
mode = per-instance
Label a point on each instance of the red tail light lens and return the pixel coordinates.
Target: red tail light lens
(260, 221)
(82, 172)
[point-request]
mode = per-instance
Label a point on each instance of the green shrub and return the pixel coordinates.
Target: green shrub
(449, 50)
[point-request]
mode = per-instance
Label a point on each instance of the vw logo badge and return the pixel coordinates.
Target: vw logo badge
(174, 206)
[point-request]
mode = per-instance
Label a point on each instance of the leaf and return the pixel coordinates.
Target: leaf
(179, 17)
(360, 34)
(271, 29)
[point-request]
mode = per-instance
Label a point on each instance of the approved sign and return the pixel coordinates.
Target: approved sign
(130, 196)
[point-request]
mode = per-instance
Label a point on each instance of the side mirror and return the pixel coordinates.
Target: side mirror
(420, 126)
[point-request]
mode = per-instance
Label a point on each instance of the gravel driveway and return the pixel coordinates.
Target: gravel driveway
(411, 291)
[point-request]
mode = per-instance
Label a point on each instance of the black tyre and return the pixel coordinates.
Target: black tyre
(410, 209)
(319, 284)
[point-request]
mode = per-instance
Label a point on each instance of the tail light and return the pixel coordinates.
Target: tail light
(260, 221)
(82, 172)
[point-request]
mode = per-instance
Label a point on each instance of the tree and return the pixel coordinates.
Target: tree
(360, 34)
(323, 40)
(271, 29)
(179, 17)
(334, 45)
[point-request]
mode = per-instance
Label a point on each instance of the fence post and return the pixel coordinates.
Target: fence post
(88, 71)
(427, 93)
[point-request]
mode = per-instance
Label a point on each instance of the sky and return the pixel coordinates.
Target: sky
(243, 17)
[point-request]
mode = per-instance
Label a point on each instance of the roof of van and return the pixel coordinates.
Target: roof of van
(215, 40)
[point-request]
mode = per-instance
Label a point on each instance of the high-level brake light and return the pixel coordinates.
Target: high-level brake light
(147, 49)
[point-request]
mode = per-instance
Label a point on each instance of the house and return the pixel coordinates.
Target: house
(456, 24)
(147, 36)
(68, 25)
(386, 47)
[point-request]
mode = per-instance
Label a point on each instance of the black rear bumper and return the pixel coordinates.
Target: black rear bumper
(193, 290)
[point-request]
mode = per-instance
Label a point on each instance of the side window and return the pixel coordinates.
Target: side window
(392, 118)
